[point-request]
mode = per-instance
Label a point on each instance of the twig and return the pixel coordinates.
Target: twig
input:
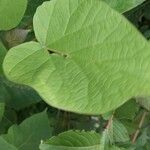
(139, 127)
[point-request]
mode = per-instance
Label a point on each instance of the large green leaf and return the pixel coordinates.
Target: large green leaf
(89, 58)
(123, 5)
(11, 13)
(29, 133)
(73, 140)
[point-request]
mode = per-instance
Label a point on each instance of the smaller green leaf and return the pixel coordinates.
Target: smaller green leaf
(131, 126)
(114, 132)
(73, 140)
(125, 111)
(29, 133)
(120, 133)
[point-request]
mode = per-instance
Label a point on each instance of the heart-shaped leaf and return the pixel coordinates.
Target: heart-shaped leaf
(11, 13)
(89, 58)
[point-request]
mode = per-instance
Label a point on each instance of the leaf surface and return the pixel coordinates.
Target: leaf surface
(11, 13)
(29, 133)
(123, 5)
(125, 111)
(6, 146)
(144, 102)
(80, 63)
(17, 96)
(73, 140)
(120, 133)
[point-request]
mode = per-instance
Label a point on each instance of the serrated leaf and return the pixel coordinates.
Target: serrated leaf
(29, 133)
(80, 63)
(73, 140)
(120, 133)
(123, 5)
(114, 132)
(11, 13)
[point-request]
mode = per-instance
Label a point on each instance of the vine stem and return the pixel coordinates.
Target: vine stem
(139, 127)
